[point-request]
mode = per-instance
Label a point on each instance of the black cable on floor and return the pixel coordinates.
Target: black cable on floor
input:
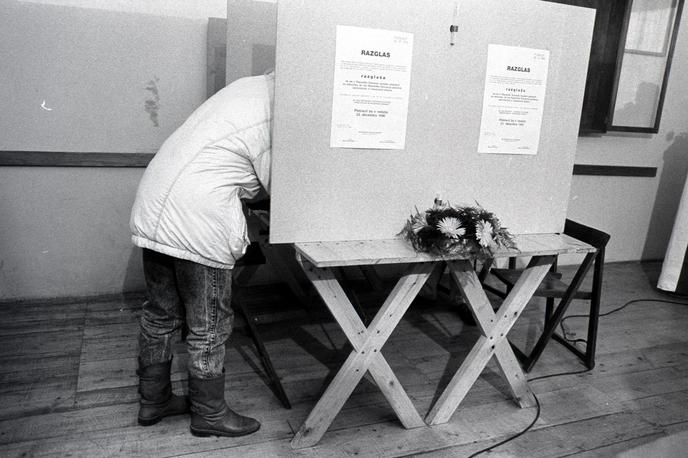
(626, 305)
(537, 413)
(558, 374)
(561, 323)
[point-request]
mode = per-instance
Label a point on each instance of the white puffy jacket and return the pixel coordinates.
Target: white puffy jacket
(188, 201)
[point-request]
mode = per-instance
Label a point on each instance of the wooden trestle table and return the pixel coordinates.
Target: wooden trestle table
(318, 260)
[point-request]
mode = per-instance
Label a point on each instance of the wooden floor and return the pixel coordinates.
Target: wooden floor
(68, 386)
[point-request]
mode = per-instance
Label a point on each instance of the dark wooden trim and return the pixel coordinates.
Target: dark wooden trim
(639, 130)
(665, 79)
(141, 160)
(72, 159)
(614, 170)
(670, 58)
(617, 67)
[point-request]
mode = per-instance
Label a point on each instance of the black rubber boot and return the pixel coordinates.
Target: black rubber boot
(157, 400)
(210, 414)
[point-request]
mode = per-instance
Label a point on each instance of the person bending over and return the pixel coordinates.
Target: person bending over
(188, 219)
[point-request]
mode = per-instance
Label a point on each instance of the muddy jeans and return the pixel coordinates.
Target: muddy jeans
(179, 291)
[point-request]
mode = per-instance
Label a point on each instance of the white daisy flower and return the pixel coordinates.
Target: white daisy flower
(483, 232)
(451, 227)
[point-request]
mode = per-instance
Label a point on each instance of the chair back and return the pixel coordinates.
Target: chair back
(586, 234)
(553, 287)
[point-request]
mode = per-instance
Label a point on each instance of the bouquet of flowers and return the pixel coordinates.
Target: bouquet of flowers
(445, 229)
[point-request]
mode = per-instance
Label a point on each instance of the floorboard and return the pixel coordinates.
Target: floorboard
(68, 382)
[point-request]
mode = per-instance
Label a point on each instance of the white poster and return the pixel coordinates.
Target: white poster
(514, 98)
(371, 88)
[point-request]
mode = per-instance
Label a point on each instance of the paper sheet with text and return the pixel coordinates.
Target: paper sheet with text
(371, 88)
(513, 101)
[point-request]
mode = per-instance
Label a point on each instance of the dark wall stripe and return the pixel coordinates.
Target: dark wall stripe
(70, 159)
(614, 170)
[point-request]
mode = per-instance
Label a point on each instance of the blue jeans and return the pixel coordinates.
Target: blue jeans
(184, 291)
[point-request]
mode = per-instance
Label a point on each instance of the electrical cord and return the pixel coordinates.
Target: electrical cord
(565, 333)
(508, 439)
(624, 306)
(537, 401)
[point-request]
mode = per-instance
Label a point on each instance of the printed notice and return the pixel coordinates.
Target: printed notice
(514, 98)
(371, 88)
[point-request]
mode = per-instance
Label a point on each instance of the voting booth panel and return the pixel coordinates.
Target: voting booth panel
(329, 193)
(251, 29)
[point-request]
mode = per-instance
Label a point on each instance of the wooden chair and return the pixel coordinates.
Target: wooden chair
(258, 219)
(261, 252)
(244, 269)
(553, 288)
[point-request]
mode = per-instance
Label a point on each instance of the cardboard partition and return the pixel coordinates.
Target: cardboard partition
(325, 193)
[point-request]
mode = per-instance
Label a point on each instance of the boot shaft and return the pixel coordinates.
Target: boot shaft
(210, 414)
(207, 395)
(154, 382)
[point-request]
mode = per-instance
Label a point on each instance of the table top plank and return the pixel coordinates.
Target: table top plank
(398, 251)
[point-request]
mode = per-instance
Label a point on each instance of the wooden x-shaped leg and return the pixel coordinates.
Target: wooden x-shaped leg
(494, 328)
(366, 355)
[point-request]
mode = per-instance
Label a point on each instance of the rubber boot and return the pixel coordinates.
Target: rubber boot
(210, 414)
(157, 400)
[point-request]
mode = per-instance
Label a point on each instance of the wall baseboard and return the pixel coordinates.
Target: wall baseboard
(62, 300)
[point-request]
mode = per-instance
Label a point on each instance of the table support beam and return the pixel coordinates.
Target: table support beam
(494, 328)
(366, 355)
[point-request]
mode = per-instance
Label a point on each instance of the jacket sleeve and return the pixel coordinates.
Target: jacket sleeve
(261, 164)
